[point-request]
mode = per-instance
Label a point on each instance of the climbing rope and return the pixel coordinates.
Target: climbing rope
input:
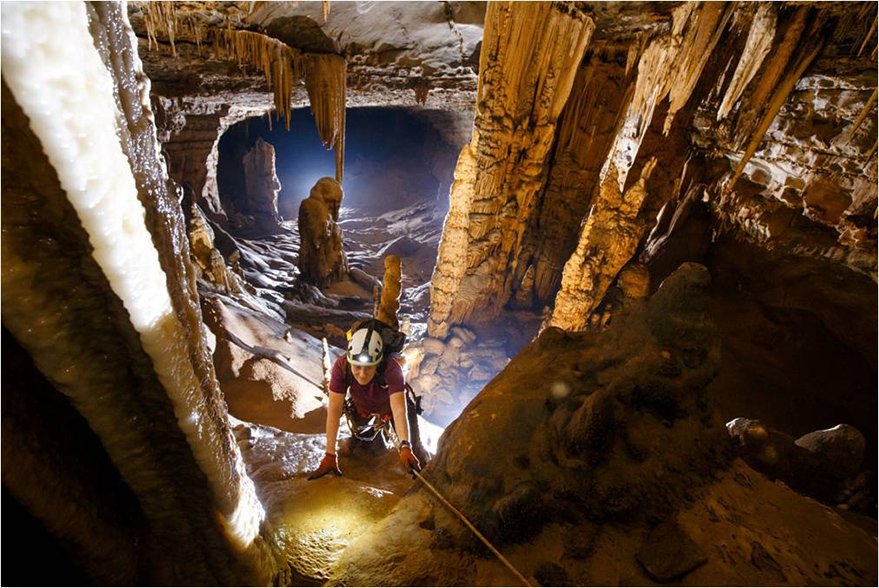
(470, 526)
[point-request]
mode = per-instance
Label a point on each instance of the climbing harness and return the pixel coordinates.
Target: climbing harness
(368, 427)
(416, 474)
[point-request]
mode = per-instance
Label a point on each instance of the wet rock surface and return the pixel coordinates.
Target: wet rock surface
(668, 553)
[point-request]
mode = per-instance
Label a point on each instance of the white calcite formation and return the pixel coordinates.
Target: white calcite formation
(156, 314)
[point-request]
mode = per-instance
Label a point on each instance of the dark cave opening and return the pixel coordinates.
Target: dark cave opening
(398, 171)
(393, 158)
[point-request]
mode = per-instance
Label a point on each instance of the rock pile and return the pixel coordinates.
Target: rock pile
(448, 372)
(826, 465)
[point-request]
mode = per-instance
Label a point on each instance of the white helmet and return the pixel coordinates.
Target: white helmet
(365, 347)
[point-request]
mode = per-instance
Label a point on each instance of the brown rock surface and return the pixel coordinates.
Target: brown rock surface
(580, 474)
(761, 119)
(390, 297)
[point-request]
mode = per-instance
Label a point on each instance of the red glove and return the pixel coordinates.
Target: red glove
(409, 461)
(328, 465)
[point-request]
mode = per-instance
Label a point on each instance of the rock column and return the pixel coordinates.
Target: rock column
(322, 259)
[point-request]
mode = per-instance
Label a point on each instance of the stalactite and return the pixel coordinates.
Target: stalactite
(159, 16)
(770, 75)
(326, 10)
(281, 64)
(669, 68)
(867, 39)
(814, 42)
(635, 51)
(326, 85)
(421, 89)
(165, 17)
(870, 154)
(864, 112)
(696, 46)
(756, 48)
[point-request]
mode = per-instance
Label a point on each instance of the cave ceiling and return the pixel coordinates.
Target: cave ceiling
(391, 49)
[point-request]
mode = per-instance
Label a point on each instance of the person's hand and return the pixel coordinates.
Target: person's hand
(408, 459)
(328, 465)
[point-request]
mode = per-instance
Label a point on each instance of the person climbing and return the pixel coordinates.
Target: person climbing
(378, 394)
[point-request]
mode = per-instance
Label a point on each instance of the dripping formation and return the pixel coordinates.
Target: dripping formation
(283, 67)
(325, 81)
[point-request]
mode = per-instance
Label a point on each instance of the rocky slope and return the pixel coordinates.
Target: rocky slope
(598, 459)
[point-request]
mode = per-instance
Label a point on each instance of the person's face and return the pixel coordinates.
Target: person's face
(363, 373)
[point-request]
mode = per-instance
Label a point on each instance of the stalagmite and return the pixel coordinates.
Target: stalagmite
(322, 259)
(261, 186)
(390, 298)
(325, 82)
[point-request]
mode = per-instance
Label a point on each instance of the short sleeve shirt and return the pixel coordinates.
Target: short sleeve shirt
(371, 398)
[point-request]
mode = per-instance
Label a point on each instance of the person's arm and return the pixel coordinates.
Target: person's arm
(401, 424)
(398, 409)
(334, 413)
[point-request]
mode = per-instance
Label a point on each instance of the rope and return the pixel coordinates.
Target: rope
(470, 526)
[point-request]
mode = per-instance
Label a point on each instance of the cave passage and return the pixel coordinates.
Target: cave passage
(394, 158)
(399, 165)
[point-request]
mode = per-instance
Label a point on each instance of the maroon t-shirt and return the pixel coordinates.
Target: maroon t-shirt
(371, 398)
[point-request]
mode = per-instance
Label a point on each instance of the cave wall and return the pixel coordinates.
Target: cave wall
(421, 59)
(768, 108)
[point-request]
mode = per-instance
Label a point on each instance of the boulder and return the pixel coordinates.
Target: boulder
(839, 449)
